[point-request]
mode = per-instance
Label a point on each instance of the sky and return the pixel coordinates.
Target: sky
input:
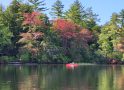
(104, 8)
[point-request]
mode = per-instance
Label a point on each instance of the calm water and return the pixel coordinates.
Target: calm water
(58, 77)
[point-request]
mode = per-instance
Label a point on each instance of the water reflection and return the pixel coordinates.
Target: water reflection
(57, 77)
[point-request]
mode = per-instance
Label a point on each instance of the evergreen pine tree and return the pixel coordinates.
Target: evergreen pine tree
(114, 19)
(121, 17)
(76, 12)
(57, 9)
(38, 5)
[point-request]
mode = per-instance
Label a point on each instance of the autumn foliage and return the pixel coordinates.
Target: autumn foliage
(32, 19)
(120, 45)
(85, 35)
(30, 38)
(72, 36)
(68, 30)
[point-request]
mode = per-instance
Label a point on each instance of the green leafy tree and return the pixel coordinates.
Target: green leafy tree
(108, 39)
(57, 9)
(14, 21)
(5, 38)
(5, 33)
(12, 18)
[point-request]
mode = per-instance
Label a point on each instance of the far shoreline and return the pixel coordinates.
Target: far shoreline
(52, 63)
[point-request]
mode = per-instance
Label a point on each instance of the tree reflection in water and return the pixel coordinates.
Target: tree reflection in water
(57, 77)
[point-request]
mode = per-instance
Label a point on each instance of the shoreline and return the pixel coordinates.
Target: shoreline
(48, 63)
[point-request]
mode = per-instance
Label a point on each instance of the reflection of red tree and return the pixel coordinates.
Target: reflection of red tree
(120, 81)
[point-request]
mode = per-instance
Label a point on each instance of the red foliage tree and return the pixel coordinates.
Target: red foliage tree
(66, 29)
(69, 30)
(32, 19)
(72, 33)
(31, 39)
(85, 35)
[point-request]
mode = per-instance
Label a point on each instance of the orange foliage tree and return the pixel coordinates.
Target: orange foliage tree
(32, 18)
(30, 38)
(66, 28)
(120, 45)
(69, 30)
(72, 34)
(85, 36)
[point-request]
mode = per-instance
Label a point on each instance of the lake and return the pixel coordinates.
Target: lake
(58, 77)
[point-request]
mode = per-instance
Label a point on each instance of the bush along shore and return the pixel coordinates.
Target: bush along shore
(27, 35)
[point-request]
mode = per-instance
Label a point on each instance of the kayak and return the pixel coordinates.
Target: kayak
(71, 65)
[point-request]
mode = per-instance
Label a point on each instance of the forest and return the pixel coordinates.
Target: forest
(28, 35)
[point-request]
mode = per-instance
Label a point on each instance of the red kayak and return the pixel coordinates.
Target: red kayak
(71, 65)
